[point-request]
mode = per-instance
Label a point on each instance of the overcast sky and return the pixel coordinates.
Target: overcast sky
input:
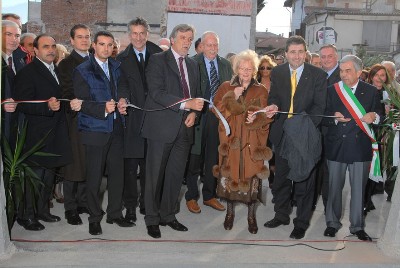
(273, 17)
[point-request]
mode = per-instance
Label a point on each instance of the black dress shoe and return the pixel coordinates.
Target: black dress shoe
(31, 224)
(82, 210)
(330, 232)
(362, 235)
(297, 233)
(121, 222)
(95, 228)
(154, 231)
(47, 217)
(176, 225)
(72, 217)
(275, 223)
(130, 215)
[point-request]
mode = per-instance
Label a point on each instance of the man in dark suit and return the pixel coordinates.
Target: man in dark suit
(329, 62)
(101, 127)
(205, 148)
(10, 39)
(133, 87)
(74, 184)
(295, 87)
(348, 146)
(39, 81)
(171, 77)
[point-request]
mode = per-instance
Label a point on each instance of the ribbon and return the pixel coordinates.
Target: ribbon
(222, 118)
(281, 112)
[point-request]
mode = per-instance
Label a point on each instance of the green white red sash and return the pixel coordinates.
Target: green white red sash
(357, 111)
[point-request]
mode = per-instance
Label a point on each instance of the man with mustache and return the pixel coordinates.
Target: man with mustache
(39, 81)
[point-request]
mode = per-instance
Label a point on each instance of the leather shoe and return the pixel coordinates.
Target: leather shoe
(297, 233)
(95, 228)
(121, 222)
(176, 225)
(47, 217)
(362, 235)
(275, 223)
(72, 217)
(130, 215)
(154, 231)
(215, 204)
(193, 206)
(82, 210)
(330, 232)
(31, 224)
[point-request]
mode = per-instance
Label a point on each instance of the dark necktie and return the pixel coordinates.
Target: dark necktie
(185, 86)
(10, 69)
(141, 61)
(214, 81)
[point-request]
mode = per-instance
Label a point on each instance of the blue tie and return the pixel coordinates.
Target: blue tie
(105, 69)
(214, 81)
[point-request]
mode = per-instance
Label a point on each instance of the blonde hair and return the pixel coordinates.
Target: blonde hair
(246, 55)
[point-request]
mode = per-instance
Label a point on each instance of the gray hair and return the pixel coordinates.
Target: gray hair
(329, 46)
(183, 28)
(246, 55)
(9, 23)
(357, 62)
(205, 34)
(389, 63)
(25, 35)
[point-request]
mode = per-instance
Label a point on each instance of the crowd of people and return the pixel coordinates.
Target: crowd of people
(152, 113)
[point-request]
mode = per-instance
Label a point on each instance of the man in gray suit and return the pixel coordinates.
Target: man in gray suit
(214, 70)
(347, 146)
(171, 77)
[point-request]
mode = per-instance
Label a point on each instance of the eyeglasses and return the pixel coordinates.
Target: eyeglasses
(262, 68)
(246, 69)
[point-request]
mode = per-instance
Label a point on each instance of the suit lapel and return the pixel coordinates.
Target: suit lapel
(45, 72)
(172, 63)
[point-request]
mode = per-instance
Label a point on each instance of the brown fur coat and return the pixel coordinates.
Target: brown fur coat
(242, 153)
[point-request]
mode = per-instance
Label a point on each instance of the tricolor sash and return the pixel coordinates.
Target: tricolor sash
(357, 111)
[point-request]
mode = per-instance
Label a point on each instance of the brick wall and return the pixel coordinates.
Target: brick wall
(58, 16)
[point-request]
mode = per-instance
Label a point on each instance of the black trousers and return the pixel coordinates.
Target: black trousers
(303, 194)
(209, 152)
(47, 177)
(130, 197)
(74, 194)
(97, 158)
(165, 168)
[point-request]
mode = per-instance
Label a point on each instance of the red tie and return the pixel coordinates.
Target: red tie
(10, 62)
(185, 87)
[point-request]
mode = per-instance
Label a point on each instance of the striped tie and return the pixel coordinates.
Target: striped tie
(214, 81)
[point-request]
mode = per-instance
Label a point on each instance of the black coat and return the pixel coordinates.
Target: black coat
(346, 142)
(310, 96)
(334, 77)
(76, 170)
(35, 82)
(132, 87)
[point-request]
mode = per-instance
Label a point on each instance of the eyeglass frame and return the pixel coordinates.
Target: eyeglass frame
(262, 68)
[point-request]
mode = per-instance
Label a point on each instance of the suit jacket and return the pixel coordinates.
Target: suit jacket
(310, 96)
(76, 170)
(164, 83)
(132, 87)
(225, 73)
(346, 142)
(35, 82)
(334, 77)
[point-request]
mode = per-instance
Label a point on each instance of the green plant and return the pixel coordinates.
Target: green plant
(18, 174)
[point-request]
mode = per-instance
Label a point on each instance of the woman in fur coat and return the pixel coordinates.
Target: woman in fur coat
(242, 154)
